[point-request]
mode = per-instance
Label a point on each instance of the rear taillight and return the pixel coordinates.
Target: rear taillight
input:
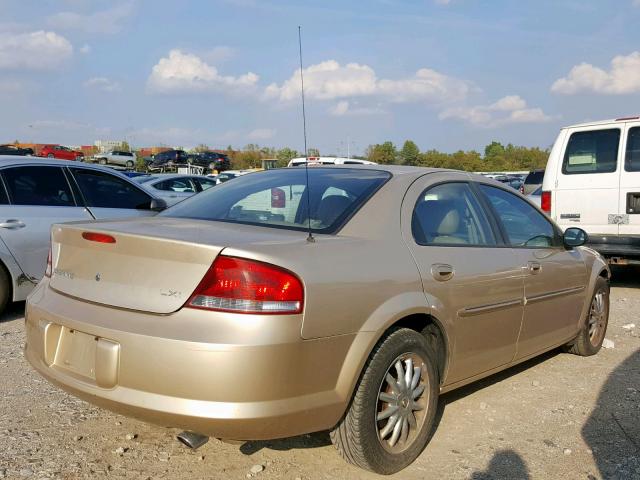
(545, 202)
(48, 270)
(246, 286)
(522, 189)
(98, 237)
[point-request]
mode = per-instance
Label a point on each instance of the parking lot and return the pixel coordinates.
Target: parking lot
(559, 416)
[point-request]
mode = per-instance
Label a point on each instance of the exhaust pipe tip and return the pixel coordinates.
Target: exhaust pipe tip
(192, 440)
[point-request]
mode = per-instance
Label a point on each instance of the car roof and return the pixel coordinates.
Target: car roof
(609, 121)
(21, 160)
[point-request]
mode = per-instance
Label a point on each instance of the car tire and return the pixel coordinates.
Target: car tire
(50, 155)
(5, 289)
(594, 328)
(102, 161)
(367, 436)
(129, 164)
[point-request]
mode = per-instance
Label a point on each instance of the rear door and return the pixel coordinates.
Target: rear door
(588, 179)
(110, 196)
(629, 220)
(468, 274)
(35, 198)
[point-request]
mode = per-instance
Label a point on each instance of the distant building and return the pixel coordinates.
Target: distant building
(107, 145)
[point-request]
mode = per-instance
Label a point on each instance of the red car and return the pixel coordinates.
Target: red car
(63, 153)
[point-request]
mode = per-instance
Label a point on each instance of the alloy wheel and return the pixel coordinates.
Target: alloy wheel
(597, 317)
(402, 403)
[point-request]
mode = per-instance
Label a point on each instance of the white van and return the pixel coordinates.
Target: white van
(592, 181)
(315, 161)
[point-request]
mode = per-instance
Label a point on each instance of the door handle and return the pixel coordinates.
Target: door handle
(534, 267)
(442, 272)
(12, 224)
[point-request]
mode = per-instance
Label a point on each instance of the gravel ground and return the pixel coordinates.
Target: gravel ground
(559, 416)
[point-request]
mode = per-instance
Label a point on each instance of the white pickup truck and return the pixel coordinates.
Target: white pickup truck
(592, 181)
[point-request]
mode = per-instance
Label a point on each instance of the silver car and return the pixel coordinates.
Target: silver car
(36, 193)
(174, 188)
(124, 159)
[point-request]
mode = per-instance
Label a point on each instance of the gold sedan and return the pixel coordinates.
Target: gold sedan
(274, 305)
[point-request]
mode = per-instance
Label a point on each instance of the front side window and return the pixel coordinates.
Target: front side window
(594, 151)
(278, 198)
(524, 225)
(103, 190)
(175, 185)
(632, 156)
(450, 214)
(41, 185)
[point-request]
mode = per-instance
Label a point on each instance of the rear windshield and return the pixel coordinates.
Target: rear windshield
(534, 178)
(278, 198)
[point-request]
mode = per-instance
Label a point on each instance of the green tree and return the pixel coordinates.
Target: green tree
(313, 152)
(284, 155)
(201, 148)
(124, 146)
(383, 153)
(410, 153)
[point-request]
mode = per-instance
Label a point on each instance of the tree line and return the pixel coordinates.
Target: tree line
(496, 156)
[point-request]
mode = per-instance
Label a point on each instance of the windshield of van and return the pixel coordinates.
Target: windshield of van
(278, 198)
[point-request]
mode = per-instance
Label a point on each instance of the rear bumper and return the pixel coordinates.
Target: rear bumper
(615, 246)
(225, 377)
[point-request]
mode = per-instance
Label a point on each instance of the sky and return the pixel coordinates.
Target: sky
(448, 74)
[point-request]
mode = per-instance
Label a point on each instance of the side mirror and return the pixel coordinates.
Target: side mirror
(574, 237)
(158, 205)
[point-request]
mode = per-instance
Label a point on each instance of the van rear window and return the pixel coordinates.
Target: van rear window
(632, 157)
(594, 151)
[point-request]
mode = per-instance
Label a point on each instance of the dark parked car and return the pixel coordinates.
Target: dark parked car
(213, 160)
(170, 157)
(9, 149)
(532, 182)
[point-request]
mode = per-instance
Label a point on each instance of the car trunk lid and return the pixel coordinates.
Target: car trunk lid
(152, 264)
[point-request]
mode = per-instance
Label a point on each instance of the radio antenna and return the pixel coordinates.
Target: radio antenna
(304, 131)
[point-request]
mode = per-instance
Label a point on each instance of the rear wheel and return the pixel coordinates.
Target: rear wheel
(589, 340)
(50, 155)
(393, 408)
(129, 164)
(102, 161)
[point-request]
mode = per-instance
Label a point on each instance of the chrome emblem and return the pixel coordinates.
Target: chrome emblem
(98, 277)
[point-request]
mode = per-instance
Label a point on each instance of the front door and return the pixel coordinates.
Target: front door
(555, 278)
(38, 196)
(471, 280)
(109, 196)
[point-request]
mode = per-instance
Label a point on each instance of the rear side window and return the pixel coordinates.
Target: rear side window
(449, 214)
(632, 157)
(595, 151)
(205, 183)
(41, 185)
(102, 190)
(524, 225)
(278, 198)
(534, 178)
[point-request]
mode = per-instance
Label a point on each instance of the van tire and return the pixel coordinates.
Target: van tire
(586, 344)
(357, 437)
(5, 289)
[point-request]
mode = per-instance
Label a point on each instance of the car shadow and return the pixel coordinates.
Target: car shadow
(625, 276)
(322, 439)
(612, 431)
(462, 392)
(505, 464)
(14, 311)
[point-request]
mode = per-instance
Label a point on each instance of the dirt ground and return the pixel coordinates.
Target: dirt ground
(559, 416)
